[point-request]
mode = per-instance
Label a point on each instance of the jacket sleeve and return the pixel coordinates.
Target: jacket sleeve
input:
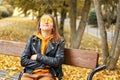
(26, 55)
(53, 61)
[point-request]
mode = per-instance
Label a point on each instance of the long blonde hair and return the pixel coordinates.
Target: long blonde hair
(57, 38)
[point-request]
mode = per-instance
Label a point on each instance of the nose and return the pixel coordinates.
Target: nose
(46, 21)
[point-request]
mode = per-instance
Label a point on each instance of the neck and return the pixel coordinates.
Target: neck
(45, 34)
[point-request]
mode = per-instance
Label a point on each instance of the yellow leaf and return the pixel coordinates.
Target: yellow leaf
(11, 73)
(7, 77)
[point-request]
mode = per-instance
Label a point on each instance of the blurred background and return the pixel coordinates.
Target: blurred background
(77, 21)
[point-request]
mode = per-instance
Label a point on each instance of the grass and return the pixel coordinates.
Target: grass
(20, 30)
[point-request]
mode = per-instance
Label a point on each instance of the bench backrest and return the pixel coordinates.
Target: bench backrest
(74, 57)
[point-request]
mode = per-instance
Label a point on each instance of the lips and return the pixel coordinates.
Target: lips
(45, 25)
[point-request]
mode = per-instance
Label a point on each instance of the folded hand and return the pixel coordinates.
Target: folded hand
(34, 57)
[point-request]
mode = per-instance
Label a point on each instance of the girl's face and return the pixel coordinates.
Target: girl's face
(46, 23)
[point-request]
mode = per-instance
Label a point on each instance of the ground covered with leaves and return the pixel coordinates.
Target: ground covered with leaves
(21, 29)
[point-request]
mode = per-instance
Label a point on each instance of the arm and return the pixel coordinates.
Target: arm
(25, 58)
(53, 61)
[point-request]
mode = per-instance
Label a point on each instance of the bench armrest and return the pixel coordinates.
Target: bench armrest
(99, 68)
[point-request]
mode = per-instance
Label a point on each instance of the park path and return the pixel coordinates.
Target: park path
(91, 30)
(4, 22)
(96, 32)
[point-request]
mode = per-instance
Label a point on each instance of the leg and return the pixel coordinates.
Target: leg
(26, 76)
(47, 78)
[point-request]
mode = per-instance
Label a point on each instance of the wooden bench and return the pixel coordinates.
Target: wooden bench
(74, 57)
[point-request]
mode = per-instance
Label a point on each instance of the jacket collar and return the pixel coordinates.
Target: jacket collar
(51, 46)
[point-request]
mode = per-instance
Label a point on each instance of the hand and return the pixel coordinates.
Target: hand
(34, 57)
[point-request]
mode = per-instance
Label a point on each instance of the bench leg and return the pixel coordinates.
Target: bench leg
(20, 75)
(99, 68)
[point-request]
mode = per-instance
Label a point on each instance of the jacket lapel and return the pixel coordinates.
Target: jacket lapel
(37, 45)
(51, 46)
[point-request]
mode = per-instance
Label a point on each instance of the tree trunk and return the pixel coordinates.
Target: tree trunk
(113, 60)
(72, 12)
(115, 52)
(116, 34)
(82, 24)
(101, 25)
(63, 16)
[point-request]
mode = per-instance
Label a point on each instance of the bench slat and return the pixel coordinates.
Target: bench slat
(81, 58)
(74, 57)
(11, 47)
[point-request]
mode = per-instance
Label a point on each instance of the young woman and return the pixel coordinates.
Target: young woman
(44, 52)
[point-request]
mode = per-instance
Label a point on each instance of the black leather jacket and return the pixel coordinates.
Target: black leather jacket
(53, 57)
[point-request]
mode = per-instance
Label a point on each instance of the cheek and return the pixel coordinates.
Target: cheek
(51, 25)
(41, 25)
